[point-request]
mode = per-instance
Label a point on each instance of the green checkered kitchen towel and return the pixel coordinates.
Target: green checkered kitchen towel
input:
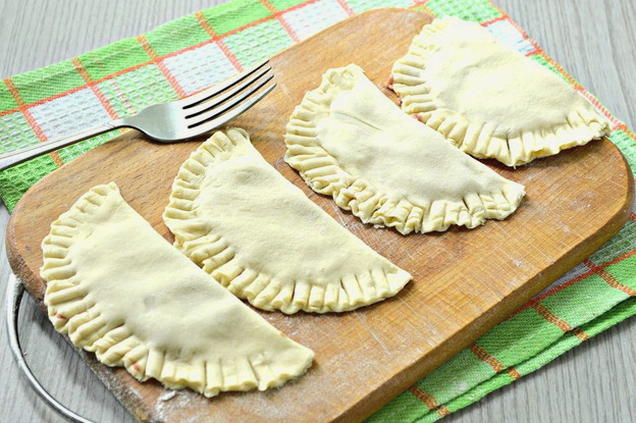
(195, 51)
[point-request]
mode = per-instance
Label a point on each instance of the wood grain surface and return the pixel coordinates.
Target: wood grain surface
(71, 388)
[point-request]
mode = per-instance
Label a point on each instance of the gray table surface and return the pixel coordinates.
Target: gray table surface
(593, 39)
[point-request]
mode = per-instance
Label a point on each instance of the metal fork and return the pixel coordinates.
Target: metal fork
(174, 121)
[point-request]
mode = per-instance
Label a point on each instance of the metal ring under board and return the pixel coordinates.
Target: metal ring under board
(15, 291)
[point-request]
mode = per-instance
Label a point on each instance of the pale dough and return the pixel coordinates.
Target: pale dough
(117, 288)
(488, 99)
(349, 141)
(255, 232)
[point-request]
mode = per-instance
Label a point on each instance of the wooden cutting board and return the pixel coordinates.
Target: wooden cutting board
(464, 281)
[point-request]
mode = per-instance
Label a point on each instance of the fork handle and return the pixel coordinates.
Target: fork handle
(18, 156)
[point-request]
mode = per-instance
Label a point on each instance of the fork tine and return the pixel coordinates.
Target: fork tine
(217, 100)
(225, 118)
(217, 111)
(201, 96)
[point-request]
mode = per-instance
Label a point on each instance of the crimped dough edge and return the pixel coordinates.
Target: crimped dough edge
(326, 176)
(115, 345)
(582, 125)
(216, 257)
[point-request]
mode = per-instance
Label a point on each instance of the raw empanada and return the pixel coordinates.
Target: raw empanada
(349, 141)
(240, 220)
(117, 288)
(488, 99)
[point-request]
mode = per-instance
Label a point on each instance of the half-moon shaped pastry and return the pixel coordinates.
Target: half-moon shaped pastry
(255, 232)
(488, 99)
(118, 289)
(349, 141)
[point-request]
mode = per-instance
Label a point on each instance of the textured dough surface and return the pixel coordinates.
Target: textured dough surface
(118, 289)
(349, 141)
(240, 220)
(488, 99)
